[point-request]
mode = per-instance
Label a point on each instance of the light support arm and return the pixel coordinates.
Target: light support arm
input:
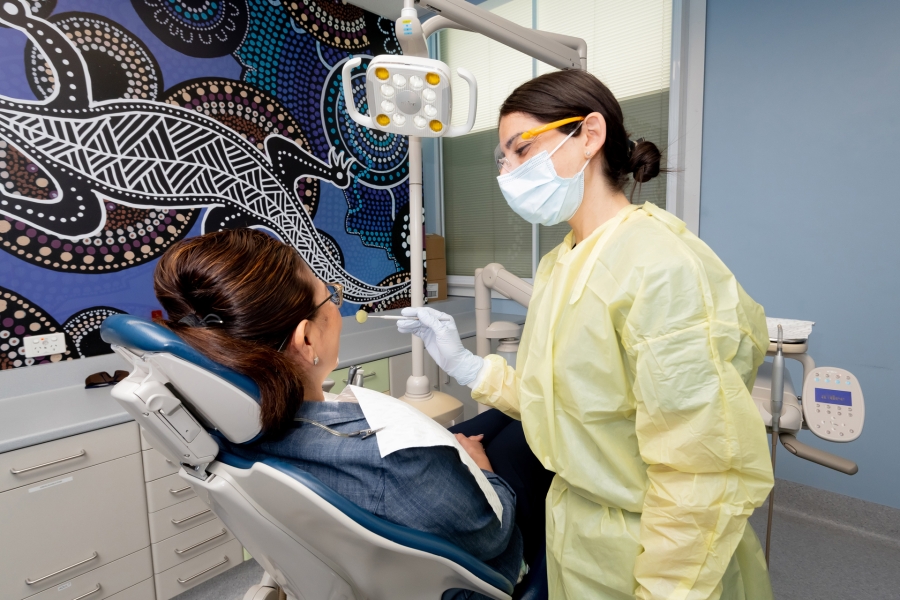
(545, 47)
(437, 23)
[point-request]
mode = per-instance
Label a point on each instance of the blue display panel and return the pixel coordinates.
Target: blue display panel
(840, 397)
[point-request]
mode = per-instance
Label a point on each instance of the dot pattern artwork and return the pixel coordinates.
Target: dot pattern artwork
(119, 64)
(201, 28)
(335, 23)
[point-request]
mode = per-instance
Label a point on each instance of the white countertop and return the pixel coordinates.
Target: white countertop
(47, 402)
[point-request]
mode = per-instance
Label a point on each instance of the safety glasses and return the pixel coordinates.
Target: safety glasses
(335, 296)
(504, 164)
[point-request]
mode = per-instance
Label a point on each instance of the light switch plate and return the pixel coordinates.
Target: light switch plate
(44, 345)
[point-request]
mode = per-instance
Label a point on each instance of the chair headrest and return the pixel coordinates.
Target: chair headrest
(145, 336)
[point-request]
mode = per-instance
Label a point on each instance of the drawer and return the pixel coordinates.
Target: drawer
(42, 461)
(156, 465)
(376, 377)
(145, 443)
(188, 544)
(142, 591)
(197, 570)
(166, 491)
(74, 524)
(111, 578)
(183, 516)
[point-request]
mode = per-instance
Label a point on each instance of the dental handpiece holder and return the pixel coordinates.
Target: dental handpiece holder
(830, 404)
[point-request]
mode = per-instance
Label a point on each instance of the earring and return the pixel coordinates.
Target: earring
(316, 361)
(587, 154)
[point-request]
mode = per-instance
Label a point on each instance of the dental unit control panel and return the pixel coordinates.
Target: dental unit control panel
(833, 404)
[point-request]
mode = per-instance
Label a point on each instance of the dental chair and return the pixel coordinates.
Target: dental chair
(312, 543)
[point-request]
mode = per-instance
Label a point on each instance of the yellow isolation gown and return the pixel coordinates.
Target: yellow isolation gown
(633, 381)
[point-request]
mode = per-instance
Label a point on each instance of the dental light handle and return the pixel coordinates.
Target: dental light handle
(347, 79)
(457, 130)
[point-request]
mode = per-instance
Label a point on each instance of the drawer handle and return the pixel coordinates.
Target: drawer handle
(47, 464)
(90, 593)
(198, 544)
(204, 571)
(179, 490)
(180, 521)
(365, 376)
(78, 564)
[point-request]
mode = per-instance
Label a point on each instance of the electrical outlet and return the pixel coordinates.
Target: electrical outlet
(43, 345)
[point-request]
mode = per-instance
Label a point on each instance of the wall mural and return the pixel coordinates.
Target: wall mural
(127, 126)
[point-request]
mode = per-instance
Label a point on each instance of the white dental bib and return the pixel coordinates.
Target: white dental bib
(401, 426)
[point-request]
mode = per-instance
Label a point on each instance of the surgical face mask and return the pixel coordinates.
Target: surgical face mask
(537, 194)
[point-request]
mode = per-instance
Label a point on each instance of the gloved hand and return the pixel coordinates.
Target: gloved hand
(442, 342)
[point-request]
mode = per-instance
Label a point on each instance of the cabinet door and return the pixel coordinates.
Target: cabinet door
(106, 581)
(62, 527)
(177, 518)
(188, 544)
(198, 569)
(167, 491)
(36, 463)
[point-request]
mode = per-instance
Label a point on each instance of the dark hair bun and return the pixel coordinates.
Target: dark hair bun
(645, 159)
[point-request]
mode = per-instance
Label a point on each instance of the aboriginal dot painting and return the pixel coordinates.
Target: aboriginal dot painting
(128, 125)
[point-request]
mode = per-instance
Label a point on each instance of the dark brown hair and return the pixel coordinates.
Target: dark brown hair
(563, 94)
(261, 289)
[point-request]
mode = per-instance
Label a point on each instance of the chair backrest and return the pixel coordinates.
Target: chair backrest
(315, 543)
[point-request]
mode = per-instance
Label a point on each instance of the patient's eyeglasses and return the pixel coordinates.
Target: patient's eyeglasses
(336, 296)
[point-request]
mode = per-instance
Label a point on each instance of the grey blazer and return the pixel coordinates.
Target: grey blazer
(428, 489)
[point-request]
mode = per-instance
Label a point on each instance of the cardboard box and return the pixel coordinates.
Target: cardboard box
(434, 247)
(436, 290)
(436, 268)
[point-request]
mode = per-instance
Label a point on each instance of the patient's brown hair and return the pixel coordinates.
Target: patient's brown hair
(260, 288)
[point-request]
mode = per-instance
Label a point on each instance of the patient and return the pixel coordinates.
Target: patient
(251, 303)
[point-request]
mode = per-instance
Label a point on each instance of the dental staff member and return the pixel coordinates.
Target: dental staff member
(635, 367)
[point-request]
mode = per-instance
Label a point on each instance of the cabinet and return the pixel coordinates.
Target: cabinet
(74, 521)
(189, 544)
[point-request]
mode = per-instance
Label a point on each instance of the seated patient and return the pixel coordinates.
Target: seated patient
(251, 303)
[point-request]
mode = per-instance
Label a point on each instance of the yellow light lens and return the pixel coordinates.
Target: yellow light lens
(433, 78)
(436, 126)
(382, 73)
(383, 120)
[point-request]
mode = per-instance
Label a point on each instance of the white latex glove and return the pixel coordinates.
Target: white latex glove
(442, 342)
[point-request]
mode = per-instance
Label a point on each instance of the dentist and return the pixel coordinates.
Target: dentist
(635, 367)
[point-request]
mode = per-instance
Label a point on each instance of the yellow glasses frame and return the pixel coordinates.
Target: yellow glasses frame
(531, 133)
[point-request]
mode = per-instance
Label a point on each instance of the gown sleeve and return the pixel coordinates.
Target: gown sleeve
(697, 428)
(498, 386)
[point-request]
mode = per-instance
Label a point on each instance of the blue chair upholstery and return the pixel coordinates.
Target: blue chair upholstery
(146, 336)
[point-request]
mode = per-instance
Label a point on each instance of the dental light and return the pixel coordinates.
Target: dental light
(409, 95)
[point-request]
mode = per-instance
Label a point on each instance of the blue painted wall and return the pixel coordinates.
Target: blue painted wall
(800, 196)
